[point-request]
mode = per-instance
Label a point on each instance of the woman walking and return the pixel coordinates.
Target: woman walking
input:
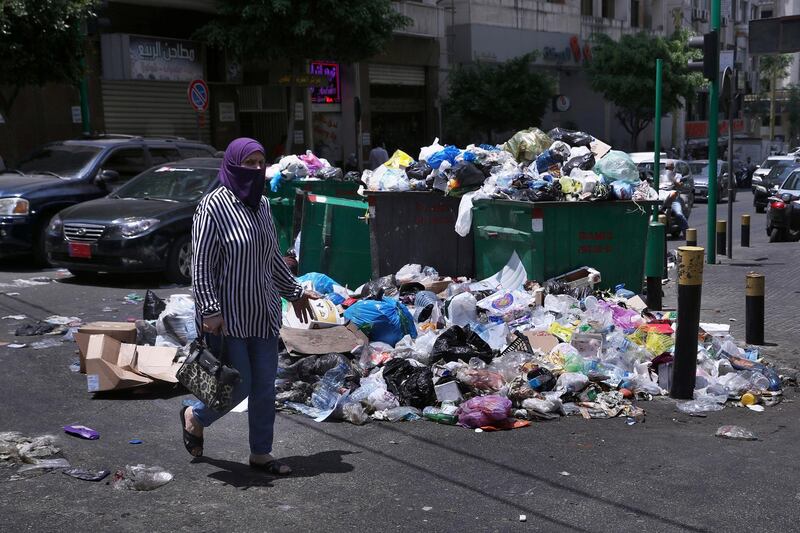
(238, 277)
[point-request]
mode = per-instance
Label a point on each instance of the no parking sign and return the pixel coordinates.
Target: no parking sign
(198, 95)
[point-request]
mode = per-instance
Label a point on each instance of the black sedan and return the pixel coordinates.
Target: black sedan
(769, 184)
(783, 210)
(145, 226)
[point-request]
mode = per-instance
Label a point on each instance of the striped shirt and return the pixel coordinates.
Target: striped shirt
(237, 269)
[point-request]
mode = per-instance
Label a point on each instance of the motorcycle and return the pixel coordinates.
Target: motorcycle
(684, 196)
(783, 217)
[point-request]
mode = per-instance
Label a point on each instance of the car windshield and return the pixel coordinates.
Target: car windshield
(169, 182)
(769, 163)
(699, 169)
(780, 172)
(63, 160)
(793, 182)
(648, 166)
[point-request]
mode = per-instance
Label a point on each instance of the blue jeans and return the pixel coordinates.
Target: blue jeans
(677, 212)
(256, 359)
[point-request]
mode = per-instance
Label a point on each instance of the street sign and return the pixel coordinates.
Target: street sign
(198, 95)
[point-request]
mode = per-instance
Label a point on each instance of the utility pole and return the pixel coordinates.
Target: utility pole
(713, 139)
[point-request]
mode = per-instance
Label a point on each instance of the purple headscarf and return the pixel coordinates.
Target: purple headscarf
(246, 183)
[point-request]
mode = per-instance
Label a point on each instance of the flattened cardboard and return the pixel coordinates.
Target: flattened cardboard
(337, 339)
(122, 331)
(544, 342)
(157, 362)
(599, 148)
(103, 370)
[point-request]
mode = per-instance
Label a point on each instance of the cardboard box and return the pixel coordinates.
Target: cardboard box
(108, 366)
(448, 392)
(121, 331)
(113, 365)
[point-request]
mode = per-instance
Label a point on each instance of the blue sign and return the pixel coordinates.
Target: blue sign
(198, 95)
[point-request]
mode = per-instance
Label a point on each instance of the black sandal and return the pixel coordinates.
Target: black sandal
(272, 467)
(193, 443)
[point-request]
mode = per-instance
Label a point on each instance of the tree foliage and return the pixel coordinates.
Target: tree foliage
(774, 67)
(624, 73)
(343, 30)
(488, 97)
(41, 41)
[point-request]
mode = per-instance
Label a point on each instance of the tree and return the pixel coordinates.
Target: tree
(487, 97)
(41, 41)
(624, 73)
(299, 30)
(793, 111)
(773, 68)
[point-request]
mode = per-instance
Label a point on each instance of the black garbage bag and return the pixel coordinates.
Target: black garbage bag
(378, 288)
(583, 162)
(458, 343)
(467, 175)
(311, 368)
(153, 306)
(572, 138)
(548, 193)
(329, 173)
(353, 175)
(410, 384)
(418, 170)
(34, 328)
(541, 379)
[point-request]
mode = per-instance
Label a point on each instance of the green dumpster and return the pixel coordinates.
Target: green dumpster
(335, 239)
(552, 238)
(282, 203)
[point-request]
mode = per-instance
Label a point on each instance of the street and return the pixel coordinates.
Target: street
(666, 473)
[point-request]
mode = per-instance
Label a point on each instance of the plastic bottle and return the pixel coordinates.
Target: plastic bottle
(435, 414)
(141, 477)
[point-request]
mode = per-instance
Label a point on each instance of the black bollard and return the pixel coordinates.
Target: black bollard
(690, 284)
(754, 309)
(745, 231)
(721, 227)
(662, 219)
(691, 237)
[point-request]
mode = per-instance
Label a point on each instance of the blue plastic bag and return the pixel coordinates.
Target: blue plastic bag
(385, 320)
(320, 282)
(275, 182)
(623, 190)
(449, 153)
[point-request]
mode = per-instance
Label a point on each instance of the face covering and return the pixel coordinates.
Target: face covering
(246, 183)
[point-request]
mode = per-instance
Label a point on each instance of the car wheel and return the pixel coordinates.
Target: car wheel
(179, 263)
(80, 274)
(40, 244)
(776, 235)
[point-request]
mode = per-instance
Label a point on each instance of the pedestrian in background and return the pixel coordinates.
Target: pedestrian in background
(378, 155)
(238, 277)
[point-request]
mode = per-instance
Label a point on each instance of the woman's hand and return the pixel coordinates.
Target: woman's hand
(214, 325)
(302, 306)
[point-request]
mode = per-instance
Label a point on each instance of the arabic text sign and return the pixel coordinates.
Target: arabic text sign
(165, 59)
(327, 92)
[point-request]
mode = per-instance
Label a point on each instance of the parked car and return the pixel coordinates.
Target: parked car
(769, 185)
(764, 168)
(700, 171)
(61, 174)
(144, 226)
(783, 210)
(645, 166)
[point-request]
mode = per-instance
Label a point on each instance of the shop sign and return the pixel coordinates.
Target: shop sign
(698, 129)
(153, 58)
(328, 92)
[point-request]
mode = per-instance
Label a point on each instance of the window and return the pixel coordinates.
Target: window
(127, 162)
(634, 13)
(608, 9)
(766, 14)
(587, 8)
(159, 156)
(196, 151)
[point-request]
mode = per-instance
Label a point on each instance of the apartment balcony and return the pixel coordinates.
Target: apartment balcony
(426, 19)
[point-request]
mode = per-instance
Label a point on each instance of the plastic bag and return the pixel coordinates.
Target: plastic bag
(448, 153)
(704, 404)
(426, 151)
(388, 179)
(480, 379)
(466, 175)
(329, 173)
(483, 411)
(292, 167)
(622, 190)
(584, 162)
(735, 432)
(543, 405)
(560, 151)
(571, 382)
(458, 343)
(418, 170)
(464, 218)
(399, 160)
(572, 138)
(176, 324)
(412, 385)
(313, 163)
(526, 145)
(462, 309)
(617, 165)
(386, 320)
(153, 306)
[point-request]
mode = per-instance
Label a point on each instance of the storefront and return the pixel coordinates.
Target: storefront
(144, 86)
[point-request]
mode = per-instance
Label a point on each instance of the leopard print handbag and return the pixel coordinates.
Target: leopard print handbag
(207, 377)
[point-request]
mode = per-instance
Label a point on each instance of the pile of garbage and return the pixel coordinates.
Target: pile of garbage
(305, 167)
(495, 353)
(560, 165)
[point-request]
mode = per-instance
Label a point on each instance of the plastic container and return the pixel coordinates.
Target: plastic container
(552, 238)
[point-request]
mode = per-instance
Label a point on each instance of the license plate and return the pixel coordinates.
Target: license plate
(80, 250)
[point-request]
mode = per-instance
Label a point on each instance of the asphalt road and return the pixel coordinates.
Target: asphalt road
(669, 473)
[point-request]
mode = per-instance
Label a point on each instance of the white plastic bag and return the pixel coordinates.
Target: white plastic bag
(464, 219)
(426, 151)
(462, 310)
(176, 326)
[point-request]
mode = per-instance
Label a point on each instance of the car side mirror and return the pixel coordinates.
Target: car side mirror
(104, 177)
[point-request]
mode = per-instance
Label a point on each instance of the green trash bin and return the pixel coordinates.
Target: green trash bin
(282, 203)
(552, 238)
(335, 239)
